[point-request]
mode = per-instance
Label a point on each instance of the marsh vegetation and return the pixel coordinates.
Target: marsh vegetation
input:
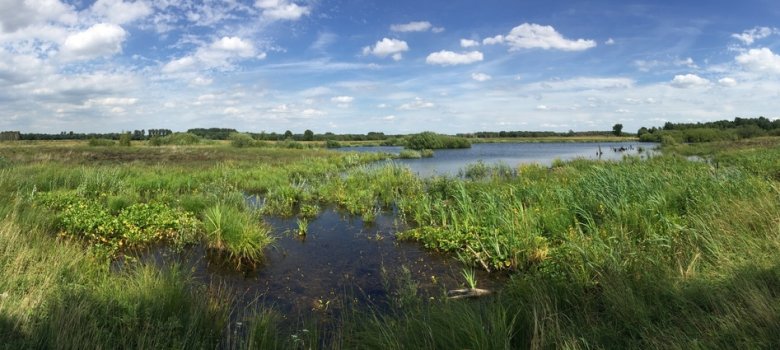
(660, 252)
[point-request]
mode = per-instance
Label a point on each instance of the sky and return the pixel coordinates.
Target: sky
(387, 66)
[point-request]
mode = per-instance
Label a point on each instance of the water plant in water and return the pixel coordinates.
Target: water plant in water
(238, 236)
(470, 276)
(303, 226)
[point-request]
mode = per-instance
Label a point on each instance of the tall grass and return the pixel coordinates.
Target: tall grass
(663, 253)
(238, 236)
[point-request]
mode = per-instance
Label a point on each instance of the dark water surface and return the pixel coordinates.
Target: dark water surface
(450, 161)
(341, 260)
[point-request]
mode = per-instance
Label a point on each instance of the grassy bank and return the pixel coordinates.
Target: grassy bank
(664, 252)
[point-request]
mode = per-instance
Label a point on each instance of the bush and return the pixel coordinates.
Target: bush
(241, 140)
(124, 139)
(430, 140)
(177, 139)
(332, 144)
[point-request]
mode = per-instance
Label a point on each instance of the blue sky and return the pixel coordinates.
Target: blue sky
(390, 66)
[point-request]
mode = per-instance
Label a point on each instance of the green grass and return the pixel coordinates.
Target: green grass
(235, 235)
(659, 253)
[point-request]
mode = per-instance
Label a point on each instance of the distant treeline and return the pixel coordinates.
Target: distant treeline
(70, 135)
(739, 128)
(511, 134)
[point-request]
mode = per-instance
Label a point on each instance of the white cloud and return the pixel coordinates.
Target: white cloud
(421, 26)
(120, 12)
(480, 76)
(180, 64)
(343, 99)
(102, 39)
(231, 111)
(610, 41)
(761, 60)
(468, 43)
(688, 81)
(416, 104)
(448, 58)
(112, 101)
(542, 108)
(17, 15)
(437, 29)
(751, 35)
(201, 81)
(234, 44)
(389, 118)
(387, 47)
(531, 36)
(282, 9)
(585, 83)
(311, 112)
(219, 54)
(727, 82)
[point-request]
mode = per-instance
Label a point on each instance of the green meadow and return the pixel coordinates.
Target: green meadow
(666, 252)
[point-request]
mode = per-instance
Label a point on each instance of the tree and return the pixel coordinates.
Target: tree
(617, 129)
(288, 134)
(308, 135)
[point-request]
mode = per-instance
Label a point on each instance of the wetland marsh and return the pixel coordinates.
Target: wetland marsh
(216, 246)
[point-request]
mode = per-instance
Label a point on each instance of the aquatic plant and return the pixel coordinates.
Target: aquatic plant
(303, 226)
(236, 235)
(470, 276)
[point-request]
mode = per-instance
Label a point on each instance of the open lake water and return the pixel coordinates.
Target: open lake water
(451, 161)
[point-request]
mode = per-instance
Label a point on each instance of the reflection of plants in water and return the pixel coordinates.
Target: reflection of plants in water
(401, 286)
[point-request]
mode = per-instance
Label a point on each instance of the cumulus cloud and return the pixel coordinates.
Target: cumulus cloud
(727, 82)
(282, 9)
(416, 104)
(535, 36)
(610, 41)
(449, 58)
(761, 60)
(751, 35)
(387, 47)
(421, 26)
(688, 81)
(120, 12)
(100, 40)
(466, 43)
(219, 54)
(480, 76)
(16, 15)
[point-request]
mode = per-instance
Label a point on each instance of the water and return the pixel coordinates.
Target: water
(342, 260)
(450, 161)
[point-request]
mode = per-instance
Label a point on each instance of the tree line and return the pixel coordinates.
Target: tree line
(721, 130)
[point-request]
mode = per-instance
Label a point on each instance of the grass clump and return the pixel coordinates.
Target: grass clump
(235, 235)
(409, 154)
